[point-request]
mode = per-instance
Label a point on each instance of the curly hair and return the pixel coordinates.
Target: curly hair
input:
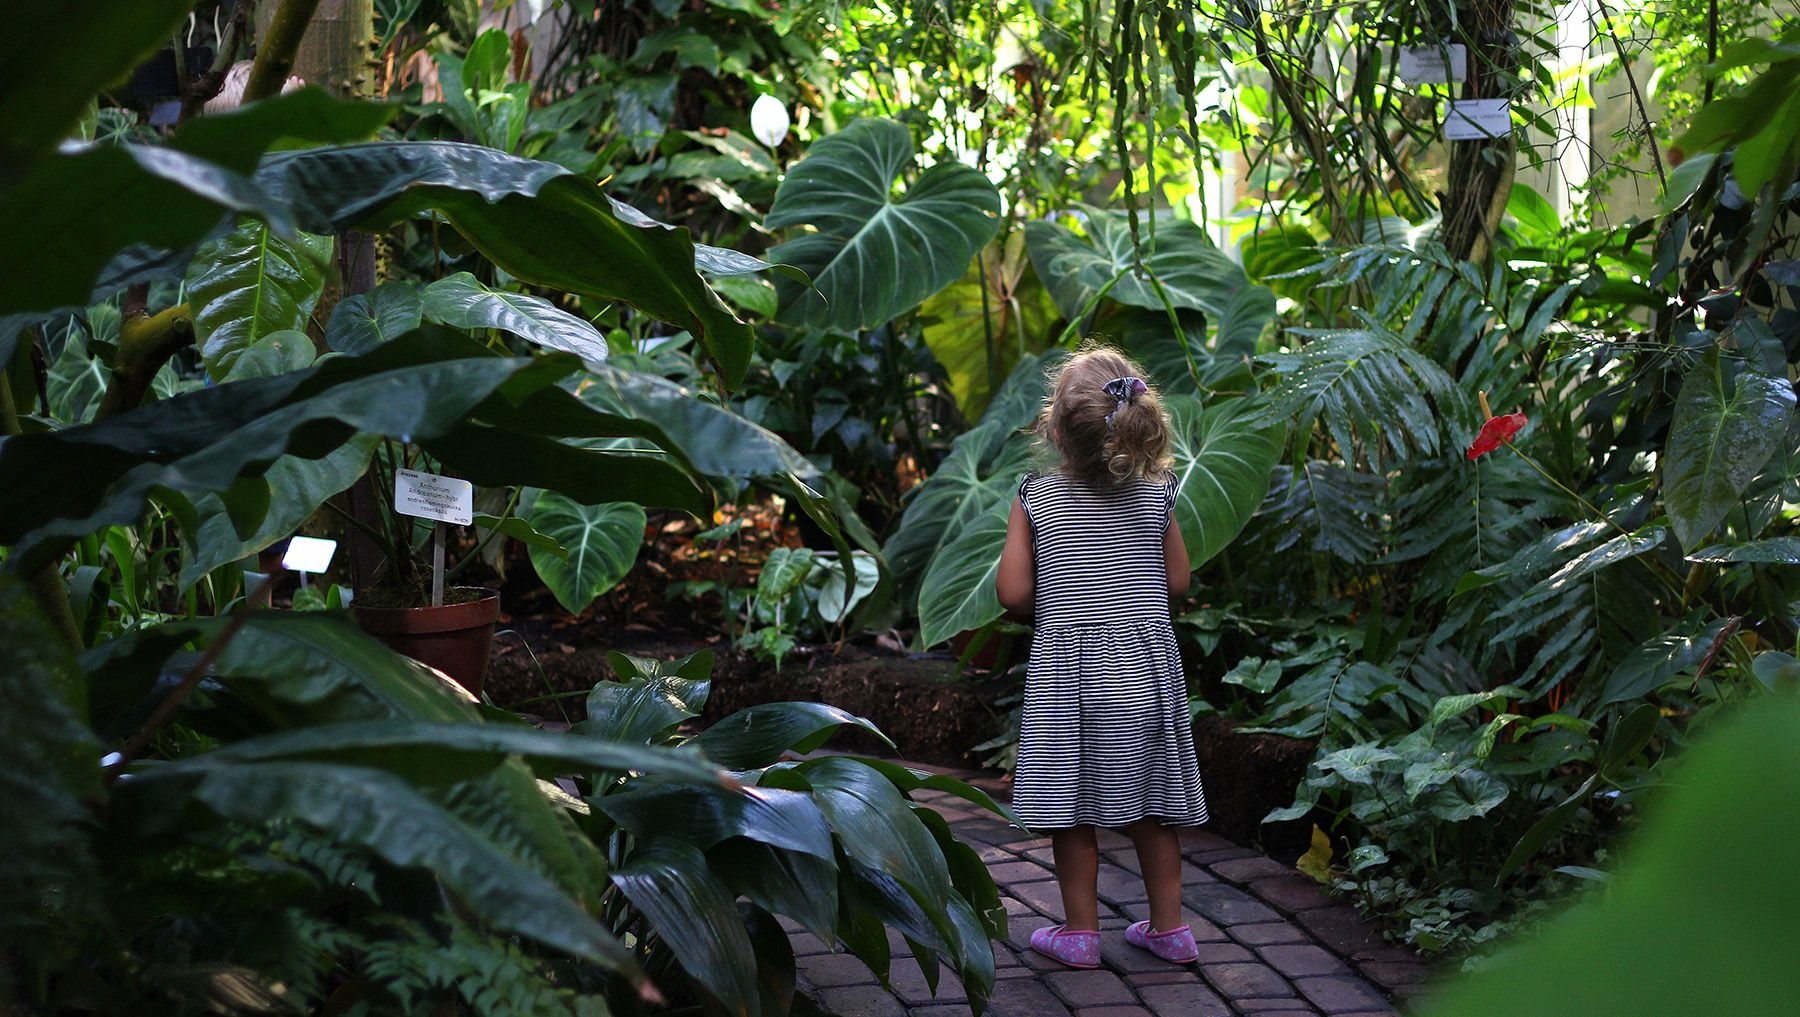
(1102, 438)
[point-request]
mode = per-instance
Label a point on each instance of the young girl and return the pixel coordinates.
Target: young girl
(1094, 555)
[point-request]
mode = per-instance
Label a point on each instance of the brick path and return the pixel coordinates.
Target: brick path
(1271, 944)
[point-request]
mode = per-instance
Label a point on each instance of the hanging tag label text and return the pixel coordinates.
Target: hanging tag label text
(430, 496)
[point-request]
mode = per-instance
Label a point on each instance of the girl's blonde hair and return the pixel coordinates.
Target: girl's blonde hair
(1103, 437)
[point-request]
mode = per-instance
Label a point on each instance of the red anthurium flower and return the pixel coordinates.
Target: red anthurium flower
(1496, 432)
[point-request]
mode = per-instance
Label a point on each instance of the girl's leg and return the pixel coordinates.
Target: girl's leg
(1159, 855)
(1077, 874)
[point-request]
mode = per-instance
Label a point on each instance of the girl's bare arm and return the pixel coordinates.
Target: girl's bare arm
(1017, 578)
(1175, 560)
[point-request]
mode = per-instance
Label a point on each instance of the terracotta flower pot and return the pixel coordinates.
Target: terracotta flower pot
(453, 638)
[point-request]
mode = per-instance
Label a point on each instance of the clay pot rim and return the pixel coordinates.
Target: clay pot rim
(427, 619)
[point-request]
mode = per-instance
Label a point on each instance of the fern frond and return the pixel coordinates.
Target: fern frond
(1333, 508)
(1375, 397)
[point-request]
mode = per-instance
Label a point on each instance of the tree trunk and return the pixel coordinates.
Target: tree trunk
(1481, 172)
(338, 45)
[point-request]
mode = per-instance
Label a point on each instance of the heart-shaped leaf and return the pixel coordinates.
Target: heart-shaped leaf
(1224, 456)
(958, 594)
(1719, 439)
(602, 542)
(364, 321)
(874, 255)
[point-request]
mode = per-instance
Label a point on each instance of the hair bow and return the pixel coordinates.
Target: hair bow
(1124, 390)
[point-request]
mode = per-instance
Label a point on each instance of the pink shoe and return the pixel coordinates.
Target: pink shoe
(1075, 949)
(1175, 946)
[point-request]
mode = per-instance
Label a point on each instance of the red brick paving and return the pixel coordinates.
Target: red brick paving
(1271, 943)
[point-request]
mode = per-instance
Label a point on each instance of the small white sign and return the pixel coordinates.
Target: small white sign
(1433, 65)
(430, 496)
(1475, 119)
(308, 554)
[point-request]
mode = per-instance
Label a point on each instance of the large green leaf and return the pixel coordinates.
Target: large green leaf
(438, 390)
(957, 594)
(966, 486)
(74, 211)
(876, 827)
(1224, 455)
(432, 751)
(56, 57)
(601, 540)
(51, 760)
(536, 220)
(250, 283)
(759, 735)
(802, 886)
(716, 441)
(297, 487)
(981, 325)
(874, 256)
(1178, 259)
(1719, 439)
(704, 816)
(696, 917)
(463, 301)
(1370, 389)
(363, 321)
(384, 814)
(1671, 934)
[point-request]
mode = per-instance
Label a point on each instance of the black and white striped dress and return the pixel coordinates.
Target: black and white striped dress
(1105, 737)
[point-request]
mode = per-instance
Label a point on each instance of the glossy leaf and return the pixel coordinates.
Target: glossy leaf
(601, 542)
(1187, 269)
(424, 751)
(1719, 439)
(758, 735)
(74, 211)
(463, 301)
(957, 594)
(695, 916)
(874, 256)
(536, 220)
(876, 827)
(1225, 456)
(715, 440)
(363, 321)
(801, 886)
(1770, 550)
(962, 490)
(704, 816)
(641, 709)
(249, 284)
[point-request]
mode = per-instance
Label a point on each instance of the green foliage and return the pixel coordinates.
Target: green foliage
(599, 545)
(873, 256)
(252, 284)
(1667, 933)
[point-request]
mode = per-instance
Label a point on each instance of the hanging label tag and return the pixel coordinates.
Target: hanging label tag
(430, 496)
(1475, 119)
(1433, 65)
(308, 554)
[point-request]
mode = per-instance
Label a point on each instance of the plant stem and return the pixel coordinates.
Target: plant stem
(275, 52)
(1662, 571)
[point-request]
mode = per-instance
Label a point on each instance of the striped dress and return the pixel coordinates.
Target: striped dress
(1105, 737)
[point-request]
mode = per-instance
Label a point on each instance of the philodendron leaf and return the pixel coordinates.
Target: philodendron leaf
(463, 301)
(1719, 439)
(536, 220)
(958, 594)
(364, 321)
(1224, 455)
(981, 325)
(874, 255)
(1177, 266)
(250, 284)
(601, 540)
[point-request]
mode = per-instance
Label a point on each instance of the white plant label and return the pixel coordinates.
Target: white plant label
(1475, 119)
(308, 554)
(1434, 65)
(430, 496)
